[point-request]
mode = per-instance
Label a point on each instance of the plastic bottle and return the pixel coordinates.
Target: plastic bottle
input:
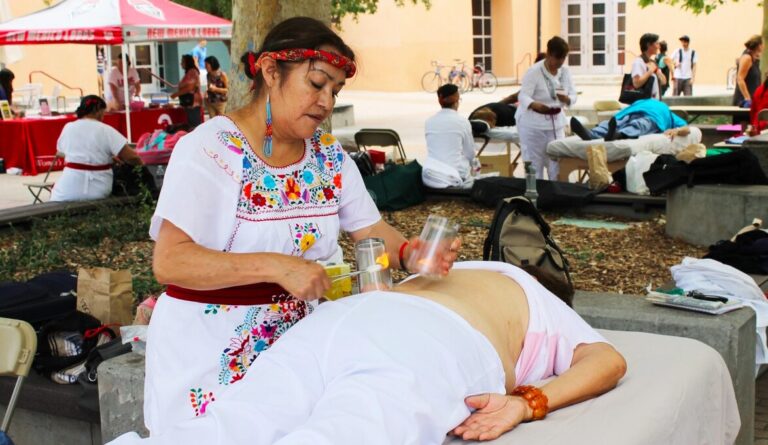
(530, 183)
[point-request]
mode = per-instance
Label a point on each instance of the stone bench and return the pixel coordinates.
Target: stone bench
(49, 413)
(705, 214)
(25, 214)
(732, 335)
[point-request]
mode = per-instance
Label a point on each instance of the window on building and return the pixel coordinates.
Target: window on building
(621, 17)
(481, 33)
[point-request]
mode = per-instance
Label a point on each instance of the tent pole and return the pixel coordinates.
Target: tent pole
(125, 93)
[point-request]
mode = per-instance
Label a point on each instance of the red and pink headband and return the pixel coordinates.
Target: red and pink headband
(301, 54)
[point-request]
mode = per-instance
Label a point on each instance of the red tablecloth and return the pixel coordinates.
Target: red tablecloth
(22, 140)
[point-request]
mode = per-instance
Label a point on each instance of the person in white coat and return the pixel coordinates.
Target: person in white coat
(89, 147)
(547, 88)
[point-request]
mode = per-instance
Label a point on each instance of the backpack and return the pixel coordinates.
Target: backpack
(520, 236)
(680, 55)
(363, 162)
(46, 297)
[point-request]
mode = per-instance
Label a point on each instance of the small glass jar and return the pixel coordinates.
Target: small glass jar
(436, 239)
(373, 262)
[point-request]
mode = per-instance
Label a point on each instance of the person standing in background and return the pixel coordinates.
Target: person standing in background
(218, 86)
(664, 62)
(114, 92)
(684, 75)
(199, 53)
(644, 68)
(748, 72)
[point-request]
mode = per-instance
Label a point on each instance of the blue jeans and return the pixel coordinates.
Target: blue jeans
(632, 126)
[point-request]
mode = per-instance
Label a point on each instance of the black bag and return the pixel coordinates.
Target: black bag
(363, 162)
(89, 398)
(552, 194)
(630, 94)
(48, 296)
(187, 100)
(47, 361)
(519, 235)
(397, 187)
(748, 253)
(738, 167)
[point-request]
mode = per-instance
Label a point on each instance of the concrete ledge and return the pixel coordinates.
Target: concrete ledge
(24, 214)
(719, 99)
(705, 214)
(35, 428)
(121, 396)
(732, 335)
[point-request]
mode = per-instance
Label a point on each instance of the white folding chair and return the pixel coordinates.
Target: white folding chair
(18, 344)
(36, 188)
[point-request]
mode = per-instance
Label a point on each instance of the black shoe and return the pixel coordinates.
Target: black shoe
(579, 129)
(611, 135)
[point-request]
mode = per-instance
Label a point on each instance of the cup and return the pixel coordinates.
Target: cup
(436, 238)
(372, 260)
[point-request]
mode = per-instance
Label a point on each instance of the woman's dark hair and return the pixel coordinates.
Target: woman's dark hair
(296, 32)
(90, 104)
(663, 47)
(648, 39)
(539, 57)
(557, 47)
(6, 82)
(213, 61)
(188, 62)
(562, 289)
(753, 42)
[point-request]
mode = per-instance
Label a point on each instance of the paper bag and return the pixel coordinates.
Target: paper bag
(106, 294)
(599, 175)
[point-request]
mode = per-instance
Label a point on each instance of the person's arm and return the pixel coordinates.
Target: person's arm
(638, 80)
(526, 93)
(180, 261)
(745, 63)
(659, 75)
(570, 88)
(468, 142)
(225, 80)
(671, 64)
(596, 368)
(129, 156)
(186, 85)
(694, 59)
(511, 99)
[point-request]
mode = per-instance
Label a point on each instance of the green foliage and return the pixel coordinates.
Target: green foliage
(695, 6)
(341, 8)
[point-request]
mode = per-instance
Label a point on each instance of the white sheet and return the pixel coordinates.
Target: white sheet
(676, 391)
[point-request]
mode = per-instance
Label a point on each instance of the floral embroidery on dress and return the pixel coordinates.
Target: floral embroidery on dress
(304, 237)
(216, 308)
(200, 400)
(311, 186)
(262, 326)
(235, 174)
(233, 141)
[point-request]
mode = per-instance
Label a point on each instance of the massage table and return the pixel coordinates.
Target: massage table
(495, 160)
(676, 391)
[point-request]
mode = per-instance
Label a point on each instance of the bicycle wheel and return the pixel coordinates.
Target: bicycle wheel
(462, 81)
(431, 81)
(488, 83)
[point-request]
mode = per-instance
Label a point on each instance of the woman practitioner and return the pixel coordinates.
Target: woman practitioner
(250, 203)
(547, 87)
(410, 365)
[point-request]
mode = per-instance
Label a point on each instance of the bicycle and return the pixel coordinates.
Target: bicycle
(485, 80)
(433, 79)
(459, 76)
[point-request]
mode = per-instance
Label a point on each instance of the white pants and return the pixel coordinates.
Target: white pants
(377, 368)
(533, 146)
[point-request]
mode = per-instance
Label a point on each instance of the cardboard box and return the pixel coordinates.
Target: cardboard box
(496, 163)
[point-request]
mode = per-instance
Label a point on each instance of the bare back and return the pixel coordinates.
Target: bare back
(491, 302)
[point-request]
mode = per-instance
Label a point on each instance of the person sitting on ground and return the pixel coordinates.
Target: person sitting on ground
(497, 114)
(89, 147)
(461, 359)
(450, 145)
(645, 116)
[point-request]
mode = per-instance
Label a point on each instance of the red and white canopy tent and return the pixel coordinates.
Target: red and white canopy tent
(113, 22)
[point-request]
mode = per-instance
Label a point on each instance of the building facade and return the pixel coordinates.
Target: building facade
(397, 44)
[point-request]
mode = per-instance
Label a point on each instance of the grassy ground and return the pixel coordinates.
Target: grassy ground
(624, 261)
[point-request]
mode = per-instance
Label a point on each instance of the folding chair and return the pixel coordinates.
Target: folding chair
(380, 137)
(18, 344)
(45, 185)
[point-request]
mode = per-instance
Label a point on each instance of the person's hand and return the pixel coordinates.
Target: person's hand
(304, 279)
(117, 161)
(539, 107)
(652, 67)
(495, 415)
(442, 263)
(564, 98)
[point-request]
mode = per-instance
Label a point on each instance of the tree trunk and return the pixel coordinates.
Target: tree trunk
(251, 21)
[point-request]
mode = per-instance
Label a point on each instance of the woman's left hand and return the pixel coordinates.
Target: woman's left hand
(564, 98)
(444, 261)
(495, 415)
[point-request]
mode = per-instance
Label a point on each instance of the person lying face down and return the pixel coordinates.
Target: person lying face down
(645, 116)
(410, 365)
(497, 114)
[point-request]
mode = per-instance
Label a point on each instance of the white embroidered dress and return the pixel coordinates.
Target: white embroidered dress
(226, 198)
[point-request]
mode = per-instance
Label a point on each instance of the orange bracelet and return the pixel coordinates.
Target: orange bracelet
(535, 398)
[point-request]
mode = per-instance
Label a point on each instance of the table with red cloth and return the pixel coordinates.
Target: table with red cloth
(23, 140)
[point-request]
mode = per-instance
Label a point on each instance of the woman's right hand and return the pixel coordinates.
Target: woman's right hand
(539, 107)
(304, 279)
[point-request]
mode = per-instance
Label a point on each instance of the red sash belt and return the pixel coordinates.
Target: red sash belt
(250, 294)
(88, 167)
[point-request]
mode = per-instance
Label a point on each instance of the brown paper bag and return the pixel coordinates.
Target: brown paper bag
(599, 175)
(106, 294)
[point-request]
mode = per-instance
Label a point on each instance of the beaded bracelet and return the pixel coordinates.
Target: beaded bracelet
(535, 398)
(400, 256)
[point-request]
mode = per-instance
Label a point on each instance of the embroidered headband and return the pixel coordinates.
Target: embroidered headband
(301, 54)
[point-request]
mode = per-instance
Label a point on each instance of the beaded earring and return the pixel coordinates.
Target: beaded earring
(267, 147)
